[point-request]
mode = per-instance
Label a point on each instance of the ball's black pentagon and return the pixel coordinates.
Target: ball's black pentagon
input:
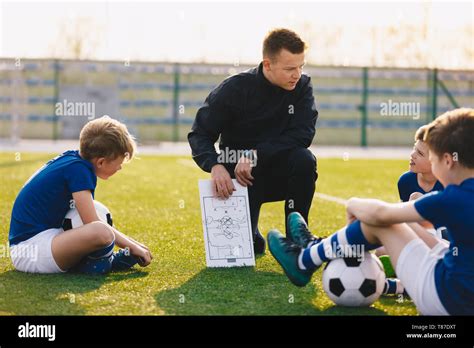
(67, 224)
(368, 287)
(336, 286)
(352, 262)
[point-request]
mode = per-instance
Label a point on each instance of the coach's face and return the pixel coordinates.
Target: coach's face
(285, 69)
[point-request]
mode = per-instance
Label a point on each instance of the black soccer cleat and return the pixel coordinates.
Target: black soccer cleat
(123, 260)
(259, 243)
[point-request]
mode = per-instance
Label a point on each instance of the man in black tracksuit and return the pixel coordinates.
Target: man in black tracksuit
(268, 111)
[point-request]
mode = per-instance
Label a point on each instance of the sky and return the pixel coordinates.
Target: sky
(339, 33)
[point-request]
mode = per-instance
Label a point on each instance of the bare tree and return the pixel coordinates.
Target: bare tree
(78, 38)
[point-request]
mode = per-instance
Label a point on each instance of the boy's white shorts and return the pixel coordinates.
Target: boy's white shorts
(415, 269)
(34, 255)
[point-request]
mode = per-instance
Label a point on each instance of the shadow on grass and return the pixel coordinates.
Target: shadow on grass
(51, 294)
(237, 291)
(352, 311)
(405, 306)
(246, 291)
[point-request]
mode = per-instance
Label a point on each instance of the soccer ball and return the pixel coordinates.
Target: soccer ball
(73, 219)
(354, 282)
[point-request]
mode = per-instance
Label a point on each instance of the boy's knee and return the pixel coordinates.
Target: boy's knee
(102, 233)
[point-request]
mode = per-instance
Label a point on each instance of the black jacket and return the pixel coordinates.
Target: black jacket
(248, 112)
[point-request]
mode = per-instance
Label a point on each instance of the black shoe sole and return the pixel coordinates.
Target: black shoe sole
(258, 252)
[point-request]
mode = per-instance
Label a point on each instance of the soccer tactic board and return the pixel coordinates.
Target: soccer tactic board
(227, 228)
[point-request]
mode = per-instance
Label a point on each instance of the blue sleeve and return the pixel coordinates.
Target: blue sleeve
(79, 177)
(431, 206)
(402, 188)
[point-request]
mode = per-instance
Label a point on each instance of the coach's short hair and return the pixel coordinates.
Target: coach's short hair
(108, 138)
(452, 133)
(278, 39)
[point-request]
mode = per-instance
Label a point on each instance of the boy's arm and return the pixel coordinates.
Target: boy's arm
(379, 213)
(139, 250)
(124, 241)
(85, 206)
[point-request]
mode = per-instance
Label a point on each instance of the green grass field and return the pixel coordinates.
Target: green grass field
(155, 200)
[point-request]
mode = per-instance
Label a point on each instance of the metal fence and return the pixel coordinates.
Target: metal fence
(158, 101)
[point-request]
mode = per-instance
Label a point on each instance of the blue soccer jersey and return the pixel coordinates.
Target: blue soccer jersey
(408, 183)
(454, 274)
(47, 196)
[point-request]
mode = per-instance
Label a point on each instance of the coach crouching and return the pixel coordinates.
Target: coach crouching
(266, 119)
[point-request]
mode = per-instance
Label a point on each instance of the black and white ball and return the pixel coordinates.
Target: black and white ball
(73, 219)
(354, 282)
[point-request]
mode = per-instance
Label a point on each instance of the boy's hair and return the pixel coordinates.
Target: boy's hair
(106, 137)
(453, 132)
(420, 133)
(278, 39)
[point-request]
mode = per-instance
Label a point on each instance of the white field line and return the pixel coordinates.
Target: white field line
(338, 200)
(330, 198)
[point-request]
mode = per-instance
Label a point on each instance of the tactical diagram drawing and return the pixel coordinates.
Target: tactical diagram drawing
(227, 228)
